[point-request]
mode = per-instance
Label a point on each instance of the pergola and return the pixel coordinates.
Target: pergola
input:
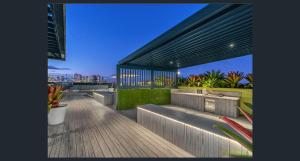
(216, 32)
(56, 31)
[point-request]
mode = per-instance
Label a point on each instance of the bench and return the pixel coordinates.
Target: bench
(194, 134)
(105, 98)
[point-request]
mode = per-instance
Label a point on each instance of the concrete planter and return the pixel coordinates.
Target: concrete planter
(57, 115)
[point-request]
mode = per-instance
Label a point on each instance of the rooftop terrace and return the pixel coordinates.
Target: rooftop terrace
(94, 130)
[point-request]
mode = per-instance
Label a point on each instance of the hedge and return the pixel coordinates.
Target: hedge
(245, 97)
(130, 98)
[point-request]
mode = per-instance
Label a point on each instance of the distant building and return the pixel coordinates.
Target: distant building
(77, 77)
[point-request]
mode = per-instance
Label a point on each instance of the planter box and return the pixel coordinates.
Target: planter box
(57, 115)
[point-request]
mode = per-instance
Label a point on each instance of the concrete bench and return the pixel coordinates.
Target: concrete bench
(105, 98)
(192, 133)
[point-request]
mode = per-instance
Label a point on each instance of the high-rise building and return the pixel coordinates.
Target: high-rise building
(77, 77)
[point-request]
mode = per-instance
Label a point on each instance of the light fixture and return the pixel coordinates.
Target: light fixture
(231, 45)
(171, 62)
(178, 72)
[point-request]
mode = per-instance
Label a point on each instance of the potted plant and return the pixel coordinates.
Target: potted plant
(56, 111)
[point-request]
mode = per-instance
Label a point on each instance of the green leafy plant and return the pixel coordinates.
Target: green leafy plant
(49, 107)
(247, 139)
(194, 81)
(54, 96)
(214, 74)
(161, 81)
(181, 81)
(249, 78)
(210, 83)
(213, 79)
(233, 79)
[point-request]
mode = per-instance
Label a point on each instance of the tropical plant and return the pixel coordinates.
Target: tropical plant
(54, 96)
(233, 79)
(214, 74)
(158, 81)
(163, 81)
(192, 80)
(249, 78)
(246, 140)
(213, 79)
(181, 81)
(49, 107)
(210, 83)
(195, 80)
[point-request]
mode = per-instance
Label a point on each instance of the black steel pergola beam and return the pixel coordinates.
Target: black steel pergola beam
(157, 42)
(200, 50)
(208, 37)
(56, 31)
(202, 38)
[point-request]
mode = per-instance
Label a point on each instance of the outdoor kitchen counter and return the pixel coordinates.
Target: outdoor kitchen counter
(209, 96)
(221, 105)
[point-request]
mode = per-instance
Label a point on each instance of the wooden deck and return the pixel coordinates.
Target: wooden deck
(94, 130)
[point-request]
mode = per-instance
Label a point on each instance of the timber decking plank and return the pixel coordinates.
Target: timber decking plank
(52, 130)
(72, 142)
(89, 151)
(122, 151)
(63, 150)
(94, 130)
(159, 141)
(80, 151)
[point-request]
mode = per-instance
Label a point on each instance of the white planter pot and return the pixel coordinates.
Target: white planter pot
(56, 115)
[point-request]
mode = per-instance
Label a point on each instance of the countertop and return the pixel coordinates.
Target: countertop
(209, 96)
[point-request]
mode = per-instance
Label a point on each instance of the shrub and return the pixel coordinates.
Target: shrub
(194, 81)
(210, 83)
(249, 78)
(233, 79)
(54, 96)
(213, 79)
(218, 75)
(181, 81)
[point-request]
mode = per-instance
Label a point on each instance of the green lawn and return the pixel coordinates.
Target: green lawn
(130, 98)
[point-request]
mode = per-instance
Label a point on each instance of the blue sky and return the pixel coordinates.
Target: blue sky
(99, 35)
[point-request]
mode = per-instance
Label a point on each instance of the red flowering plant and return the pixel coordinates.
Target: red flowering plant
(55, 94)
